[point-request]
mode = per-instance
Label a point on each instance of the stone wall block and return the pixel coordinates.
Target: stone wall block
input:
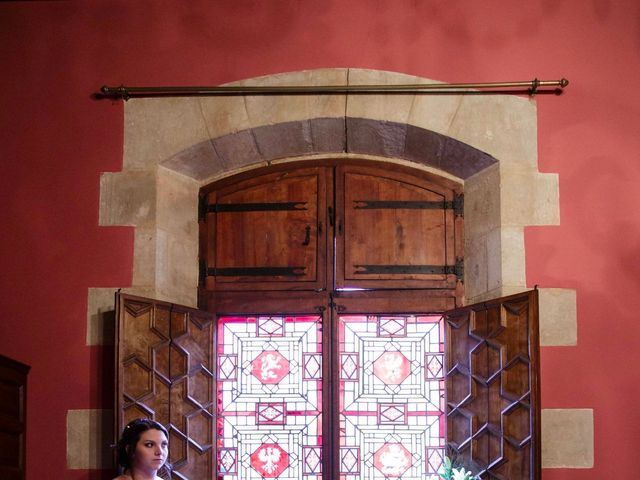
(224, 115)
(101, 316)
(482, 204)
(475, 267)
(529, 197)
(388, 107)
(177, 268)
(504, 261)
(513, 261)
(567, 438)
(547, 200)
(444, 153)
(502, 126)
(372, 137)
(494, 259)
(127, 198)
(558, 317)
(427, 148)
(158, 128)
(199, 161)
(89, 435)
(272, 109)
(237, 150)
(433, 112)
(463, 160)
(328, 135)
(144, 257)
(177, 205)
(284, 140)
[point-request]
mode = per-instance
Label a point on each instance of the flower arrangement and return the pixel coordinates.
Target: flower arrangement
(449, 472)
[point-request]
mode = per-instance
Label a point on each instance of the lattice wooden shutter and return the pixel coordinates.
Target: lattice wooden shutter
(192, 393)
(143, 380)
(493, 399)
(164, 371)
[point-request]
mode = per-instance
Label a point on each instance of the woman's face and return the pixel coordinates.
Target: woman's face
(151, 451)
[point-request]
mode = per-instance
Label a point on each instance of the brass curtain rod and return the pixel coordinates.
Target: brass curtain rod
(532, 87)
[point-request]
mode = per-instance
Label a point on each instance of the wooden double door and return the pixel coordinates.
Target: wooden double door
(331, 342)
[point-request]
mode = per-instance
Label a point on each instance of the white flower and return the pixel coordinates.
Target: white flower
(448, 472)
(461, 474)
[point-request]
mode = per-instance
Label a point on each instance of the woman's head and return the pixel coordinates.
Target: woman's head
(143, 445)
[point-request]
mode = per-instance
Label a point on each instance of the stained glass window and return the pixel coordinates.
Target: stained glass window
(269, 397)
(391, 397)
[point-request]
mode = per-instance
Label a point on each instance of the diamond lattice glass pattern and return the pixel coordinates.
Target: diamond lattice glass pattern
(269, 397)
(391, 397)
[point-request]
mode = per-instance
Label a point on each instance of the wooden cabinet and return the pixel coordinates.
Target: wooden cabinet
(13, 417)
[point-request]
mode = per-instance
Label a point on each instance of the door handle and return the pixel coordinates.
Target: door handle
(307, 236)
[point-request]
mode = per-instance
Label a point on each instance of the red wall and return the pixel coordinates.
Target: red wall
(55, 140)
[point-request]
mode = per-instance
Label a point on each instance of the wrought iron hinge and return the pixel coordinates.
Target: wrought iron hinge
(458, 205)
(205, 271)
(204, 207)
(458, 269)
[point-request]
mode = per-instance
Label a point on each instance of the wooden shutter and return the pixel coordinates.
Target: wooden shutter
(395, 230)
(266, 233)
(493, 398)
(164, 365)
(142, 360)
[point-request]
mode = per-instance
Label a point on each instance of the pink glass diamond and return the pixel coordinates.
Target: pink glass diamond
(392, 368)
(269, 460)
(270, 367)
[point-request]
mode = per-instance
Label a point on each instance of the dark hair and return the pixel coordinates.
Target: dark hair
(126, 446)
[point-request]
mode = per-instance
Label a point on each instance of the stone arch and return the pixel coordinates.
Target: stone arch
(175, 145)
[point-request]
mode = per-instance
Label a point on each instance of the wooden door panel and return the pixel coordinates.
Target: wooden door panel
(267, 232)
(164, 365)
(192, 391)
(394, 230)
(493, 399)
(142, 360)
